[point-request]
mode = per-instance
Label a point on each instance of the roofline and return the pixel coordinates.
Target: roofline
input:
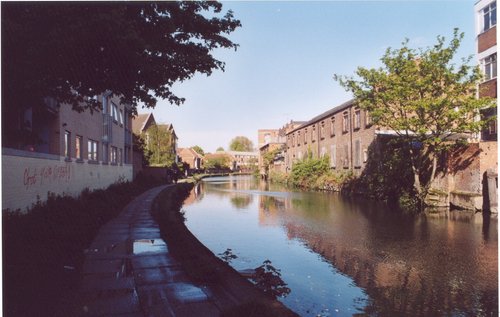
(146, 121)
(325, 114)
(267, 144)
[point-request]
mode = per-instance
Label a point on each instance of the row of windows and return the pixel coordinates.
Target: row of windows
(116, 114)
(359, 155)
(489, 16)
(114, 111)
(111, 154)
(304, 137)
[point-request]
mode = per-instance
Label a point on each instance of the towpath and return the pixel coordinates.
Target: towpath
(128, 270)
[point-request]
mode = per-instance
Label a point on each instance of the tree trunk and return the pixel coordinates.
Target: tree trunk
(416, 173)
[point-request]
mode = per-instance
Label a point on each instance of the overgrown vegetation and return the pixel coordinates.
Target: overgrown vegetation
(312, 173)
(387, 175)
(43, 250)
(305, 173)
(426, 98)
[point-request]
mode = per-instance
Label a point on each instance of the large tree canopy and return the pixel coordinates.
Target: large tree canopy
(423, 97)
(137, 50)
(241, 143)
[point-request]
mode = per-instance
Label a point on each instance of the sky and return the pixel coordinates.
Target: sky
(289, 52)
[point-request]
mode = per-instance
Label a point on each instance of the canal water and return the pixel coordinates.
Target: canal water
(342, 257)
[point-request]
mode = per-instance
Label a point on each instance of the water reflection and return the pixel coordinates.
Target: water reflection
(409, 265)
(144, 246)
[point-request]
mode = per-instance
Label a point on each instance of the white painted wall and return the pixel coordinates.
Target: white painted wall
(28, 177)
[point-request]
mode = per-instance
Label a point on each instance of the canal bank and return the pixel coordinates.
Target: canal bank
(130, 270)
(342, 256)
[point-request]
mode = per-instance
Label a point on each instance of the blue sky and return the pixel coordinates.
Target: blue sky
(288, 54)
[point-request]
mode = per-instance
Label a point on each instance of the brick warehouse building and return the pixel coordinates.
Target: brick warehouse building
(344, 133)
(76, 151)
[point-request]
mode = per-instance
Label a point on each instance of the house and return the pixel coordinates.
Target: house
(343, 133)
(157, 138)
(142, 122)
(190, 157)
(72, 151)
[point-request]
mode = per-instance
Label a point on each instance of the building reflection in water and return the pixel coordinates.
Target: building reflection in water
(423, 265)
(196, 194)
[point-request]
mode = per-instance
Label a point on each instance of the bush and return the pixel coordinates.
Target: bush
(332, 181)
(278, 177)
(305, 173)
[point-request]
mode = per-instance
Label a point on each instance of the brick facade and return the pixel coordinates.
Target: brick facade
(89, 149)
(486, 40)
(191, 157)
(343, 133)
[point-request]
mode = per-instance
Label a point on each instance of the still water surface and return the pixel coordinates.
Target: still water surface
(342, 257)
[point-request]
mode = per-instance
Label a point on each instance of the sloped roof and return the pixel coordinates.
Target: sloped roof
(168, 127)
(140, 121)
(180, 152)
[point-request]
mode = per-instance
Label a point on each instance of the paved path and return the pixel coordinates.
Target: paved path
(128, 270)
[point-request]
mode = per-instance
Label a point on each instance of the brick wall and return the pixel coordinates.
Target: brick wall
(488, 156)
(488, 88)
(487, 39)
(27, 177)
(347, 147)
(464, 175)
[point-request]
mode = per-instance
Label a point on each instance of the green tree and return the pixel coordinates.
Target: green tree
(220, 149)
(74, 51)
(425, 98)
(139, 146)
(268, 158)
(160, 146)
(198, 149)
(241, 143)
(217, 161)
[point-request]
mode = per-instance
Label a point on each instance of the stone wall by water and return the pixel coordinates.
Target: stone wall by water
(462, 182)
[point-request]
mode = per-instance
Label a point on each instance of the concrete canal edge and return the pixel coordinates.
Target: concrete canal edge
(232, 293)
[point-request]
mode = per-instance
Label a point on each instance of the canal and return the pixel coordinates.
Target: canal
(342, 257)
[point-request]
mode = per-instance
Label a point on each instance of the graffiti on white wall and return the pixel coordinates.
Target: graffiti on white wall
(46, 175)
